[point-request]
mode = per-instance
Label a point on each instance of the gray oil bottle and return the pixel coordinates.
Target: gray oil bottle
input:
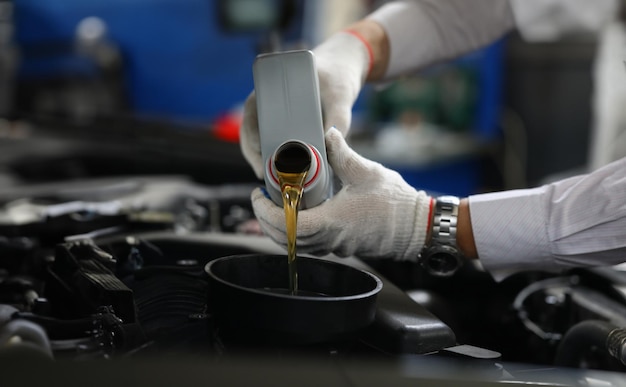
(290, 123)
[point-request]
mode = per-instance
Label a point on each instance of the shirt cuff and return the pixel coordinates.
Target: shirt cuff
(510, 232)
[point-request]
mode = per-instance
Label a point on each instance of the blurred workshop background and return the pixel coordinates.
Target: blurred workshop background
(127, 87)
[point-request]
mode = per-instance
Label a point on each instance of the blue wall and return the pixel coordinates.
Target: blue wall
(179, 64)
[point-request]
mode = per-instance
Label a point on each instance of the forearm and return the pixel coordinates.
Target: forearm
(464, 233)
(376, 38)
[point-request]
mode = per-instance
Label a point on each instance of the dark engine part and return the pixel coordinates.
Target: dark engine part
(81, 281)
(577, 317)
(251, 299)
(52, 213)
(24, 338)
(588, 336)
(171, 306)
(401, 326)
(100, 335)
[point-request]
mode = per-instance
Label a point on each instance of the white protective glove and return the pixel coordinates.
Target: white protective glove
(376, 214)
(342, 64)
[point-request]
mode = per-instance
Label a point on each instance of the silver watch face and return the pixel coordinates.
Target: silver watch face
(441, 261)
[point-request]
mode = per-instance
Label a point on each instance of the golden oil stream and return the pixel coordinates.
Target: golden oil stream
(291, 187)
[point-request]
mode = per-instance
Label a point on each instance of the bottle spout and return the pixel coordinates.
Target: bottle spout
(293, 157)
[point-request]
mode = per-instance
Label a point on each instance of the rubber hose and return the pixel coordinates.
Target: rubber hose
(31, 337)
(6, 313)
(581, 338)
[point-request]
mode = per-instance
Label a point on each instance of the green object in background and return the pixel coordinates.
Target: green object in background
(458, 96)
(411, 94)
(447, 97)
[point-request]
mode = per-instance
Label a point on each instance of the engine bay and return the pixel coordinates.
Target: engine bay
(106, 276)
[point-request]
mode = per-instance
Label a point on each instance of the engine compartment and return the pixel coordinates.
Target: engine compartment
(106, 274)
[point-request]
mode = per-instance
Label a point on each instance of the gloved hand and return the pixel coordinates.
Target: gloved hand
(342, 64)
(376, 214)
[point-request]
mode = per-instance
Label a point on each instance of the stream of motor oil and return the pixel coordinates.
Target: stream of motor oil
(291, 187)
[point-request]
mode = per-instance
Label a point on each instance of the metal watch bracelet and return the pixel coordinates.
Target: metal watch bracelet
(445, 220)
(441, 257)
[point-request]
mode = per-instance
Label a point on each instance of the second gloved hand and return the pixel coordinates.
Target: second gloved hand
(376, 214)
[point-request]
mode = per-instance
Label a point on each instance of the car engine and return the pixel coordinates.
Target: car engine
(105, 277)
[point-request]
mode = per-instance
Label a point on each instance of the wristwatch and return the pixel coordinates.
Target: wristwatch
(441, 257)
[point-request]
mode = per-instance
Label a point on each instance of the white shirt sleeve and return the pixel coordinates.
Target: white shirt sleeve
(423, 32)
(580, 221)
